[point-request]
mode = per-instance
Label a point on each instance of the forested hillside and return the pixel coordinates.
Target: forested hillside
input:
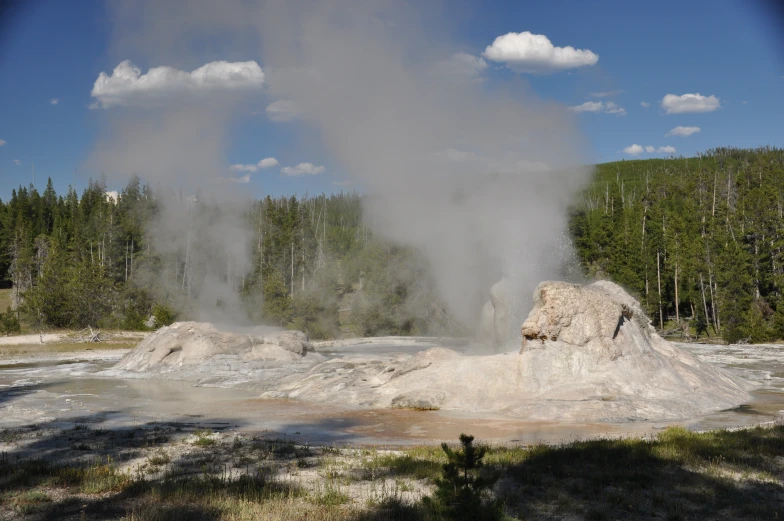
(699, 240)
(76, 261)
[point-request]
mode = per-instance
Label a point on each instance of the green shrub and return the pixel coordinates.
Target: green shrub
(164, 315)
(9, 324)
(459, 491)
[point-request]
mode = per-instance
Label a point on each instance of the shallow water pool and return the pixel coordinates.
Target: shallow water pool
(72, 392)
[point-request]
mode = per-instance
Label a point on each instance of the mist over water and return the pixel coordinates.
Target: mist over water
(475, 175)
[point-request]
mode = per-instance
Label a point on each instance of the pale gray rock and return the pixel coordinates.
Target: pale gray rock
(590, 355)
(194, 349)
(293, 341)
(427, 401)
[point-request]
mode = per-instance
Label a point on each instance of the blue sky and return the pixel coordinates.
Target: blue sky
(726, 51)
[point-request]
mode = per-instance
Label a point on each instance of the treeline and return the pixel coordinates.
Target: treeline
(74, 261)
(69, 259)
(699, 240)
(319, 268)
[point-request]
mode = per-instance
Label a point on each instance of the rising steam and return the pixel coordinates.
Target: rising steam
(477, 177)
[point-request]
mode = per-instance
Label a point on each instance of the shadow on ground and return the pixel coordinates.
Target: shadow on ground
(187, 470)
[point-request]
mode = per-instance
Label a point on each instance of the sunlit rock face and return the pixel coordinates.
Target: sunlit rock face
(589, 354)
(601, 318)
(190, 345)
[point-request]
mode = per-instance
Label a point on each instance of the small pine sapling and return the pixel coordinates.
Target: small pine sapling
(458, 492)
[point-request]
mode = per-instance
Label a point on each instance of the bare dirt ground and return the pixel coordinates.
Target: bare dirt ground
(66, 346)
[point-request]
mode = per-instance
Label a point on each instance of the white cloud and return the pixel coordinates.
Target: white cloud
(237, 180)
(636, 150)
(128, 86)
(464, 65)
(605, 94)
(674, 104)
(283, 110)
(244, 168)
(612, 108)
(17, 162)
(526, 52)
(267, 162)
(633, 150)
(302, 169)
(588, 106)
(599, 106)
(54, 101)
(683, 131)
(645, 104)
(2, 142)
(744, 102)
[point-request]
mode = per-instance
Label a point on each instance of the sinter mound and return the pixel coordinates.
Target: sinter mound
(199, 351)
(589, 354)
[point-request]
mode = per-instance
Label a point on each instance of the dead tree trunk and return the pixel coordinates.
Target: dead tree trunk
(677, 301)
(705, 304)
(292, 268)
(658, 277)
(714, 306)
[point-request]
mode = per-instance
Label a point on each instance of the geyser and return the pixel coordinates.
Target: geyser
(590, 355)
(474, 171)
(466, 165)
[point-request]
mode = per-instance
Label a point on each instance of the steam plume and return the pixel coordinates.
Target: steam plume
(475, 176)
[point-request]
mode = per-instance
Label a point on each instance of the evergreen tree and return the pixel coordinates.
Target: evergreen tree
(459, 491)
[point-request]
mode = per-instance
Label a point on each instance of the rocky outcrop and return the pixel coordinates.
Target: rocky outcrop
(590, 355)
(589, 317)
(193, 345)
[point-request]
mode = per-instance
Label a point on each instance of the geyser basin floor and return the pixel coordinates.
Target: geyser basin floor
(70, 393)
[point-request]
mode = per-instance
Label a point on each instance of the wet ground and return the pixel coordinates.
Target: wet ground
(69, 390)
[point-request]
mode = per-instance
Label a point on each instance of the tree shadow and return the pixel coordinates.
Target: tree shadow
(83, 470)
(679, 475)
(726, 475)
(9, 394)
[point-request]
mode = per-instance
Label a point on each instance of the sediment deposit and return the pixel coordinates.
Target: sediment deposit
(589, 354)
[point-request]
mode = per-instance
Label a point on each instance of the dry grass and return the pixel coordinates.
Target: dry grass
(63, 347)
(678, 474)
(5, 299)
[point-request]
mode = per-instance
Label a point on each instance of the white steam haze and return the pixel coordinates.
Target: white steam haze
(177, 144)
(476, 176)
